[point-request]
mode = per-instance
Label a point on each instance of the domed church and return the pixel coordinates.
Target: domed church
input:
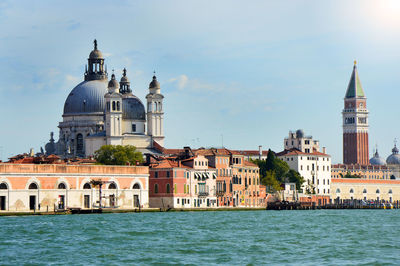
(99, 112)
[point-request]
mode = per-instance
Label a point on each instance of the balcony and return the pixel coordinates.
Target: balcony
(203, 194)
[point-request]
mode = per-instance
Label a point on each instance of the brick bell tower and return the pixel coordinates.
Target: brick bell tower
(355, 122)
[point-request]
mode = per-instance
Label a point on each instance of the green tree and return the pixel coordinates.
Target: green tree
(270, 181)
(349, 175)
(270, 161)
(295, 177)
(118, 155)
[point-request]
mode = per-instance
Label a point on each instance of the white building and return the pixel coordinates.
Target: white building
(314, 167)
(96, 114)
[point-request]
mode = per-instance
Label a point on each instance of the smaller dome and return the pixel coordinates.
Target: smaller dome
(133, 108)
(96, 54)
(395, 150)
(377, 160)
(300, 133)
(394, 158)
(113, 84)
(154, 83)
(124, 78)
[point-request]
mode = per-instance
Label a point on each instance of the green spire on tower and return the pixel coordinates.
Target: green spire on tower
(354, 89)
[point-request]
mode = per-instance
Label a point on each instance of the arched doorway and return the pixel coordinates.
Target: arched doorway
(3, 198)
(32, 198)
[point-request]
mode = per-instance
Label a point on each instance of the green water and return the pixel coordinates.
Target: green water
(335, 237)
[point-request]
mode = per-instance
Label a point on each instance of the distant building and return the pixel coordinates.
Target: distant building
(363, 171)
(355, 123)
(188, 183)
(314, 167)
(365, 189)
(393, 162)
(301, 142)
(237, 180)
(99, 112)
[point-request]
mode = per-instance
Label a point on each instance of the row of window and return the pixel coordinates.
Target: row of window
(202, 188)
(312, 168)
(200, 163)
(365, 191)
(62, 185)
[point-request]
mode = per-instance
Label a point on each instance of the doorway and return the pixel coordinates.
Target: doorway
(136, 201)
(3, 203)
(61, 203)
(32, 202)
(86, 201)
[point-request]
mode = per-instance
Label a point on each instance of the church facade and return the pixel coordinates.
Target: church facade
(99, 112)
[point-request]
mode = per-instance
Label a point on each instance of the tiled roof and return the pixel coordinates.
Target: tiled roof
(252, 152)
(295, 151)
(247, 163)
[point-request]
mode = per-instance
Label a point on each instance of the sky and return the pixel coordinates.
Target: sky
(234, 73)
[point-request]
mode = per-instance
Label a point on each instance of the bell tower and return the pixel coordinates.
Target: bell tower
(355, 122)
(113, 113)
(155, 112)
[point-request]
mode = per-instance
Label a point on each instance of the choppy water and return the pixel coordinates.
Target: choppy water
(336, 237)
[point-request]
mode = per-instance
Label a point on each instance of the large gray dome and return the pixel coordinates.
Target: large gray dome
(86, 97)
(394, 158)
(133, 108)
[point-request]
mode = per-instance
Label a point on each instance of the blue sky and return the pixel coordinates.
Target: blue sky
(248, 70)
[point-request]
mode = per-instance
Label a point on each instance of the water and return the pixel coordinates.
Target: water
(333, 237)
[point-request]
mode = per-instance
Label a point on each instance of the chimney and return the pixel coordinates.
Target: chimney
(259, 152)
(324, 150)
(31, 153)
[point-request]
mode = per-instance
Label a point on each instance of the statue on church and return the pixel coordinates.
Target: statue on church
(50, 147)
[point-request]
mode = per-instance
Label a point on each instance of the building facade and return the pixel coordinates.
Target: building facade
(363, 171)
(365, 189)
(298, 140)
(314, 167)
(42, 187)
(355, 123)
(189, 183)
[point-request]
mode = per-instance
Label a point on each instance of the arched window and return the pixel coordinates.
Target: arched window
(390, 190)
(338, 190)
(156, 188)
(168, 188)
(155, 106)
(351, 190)
(62, 186)
(136, 186)
(118, 106)
(33, 186)
(3, 186)
(79, 143)
(365, 191)
(112, 186)
(113, 105)
(377, 191)
(87, 186)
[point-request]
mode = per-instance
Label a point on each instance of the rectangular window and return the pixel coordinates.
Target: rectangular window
(133, 127)
(167, 174)
(156, 174)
